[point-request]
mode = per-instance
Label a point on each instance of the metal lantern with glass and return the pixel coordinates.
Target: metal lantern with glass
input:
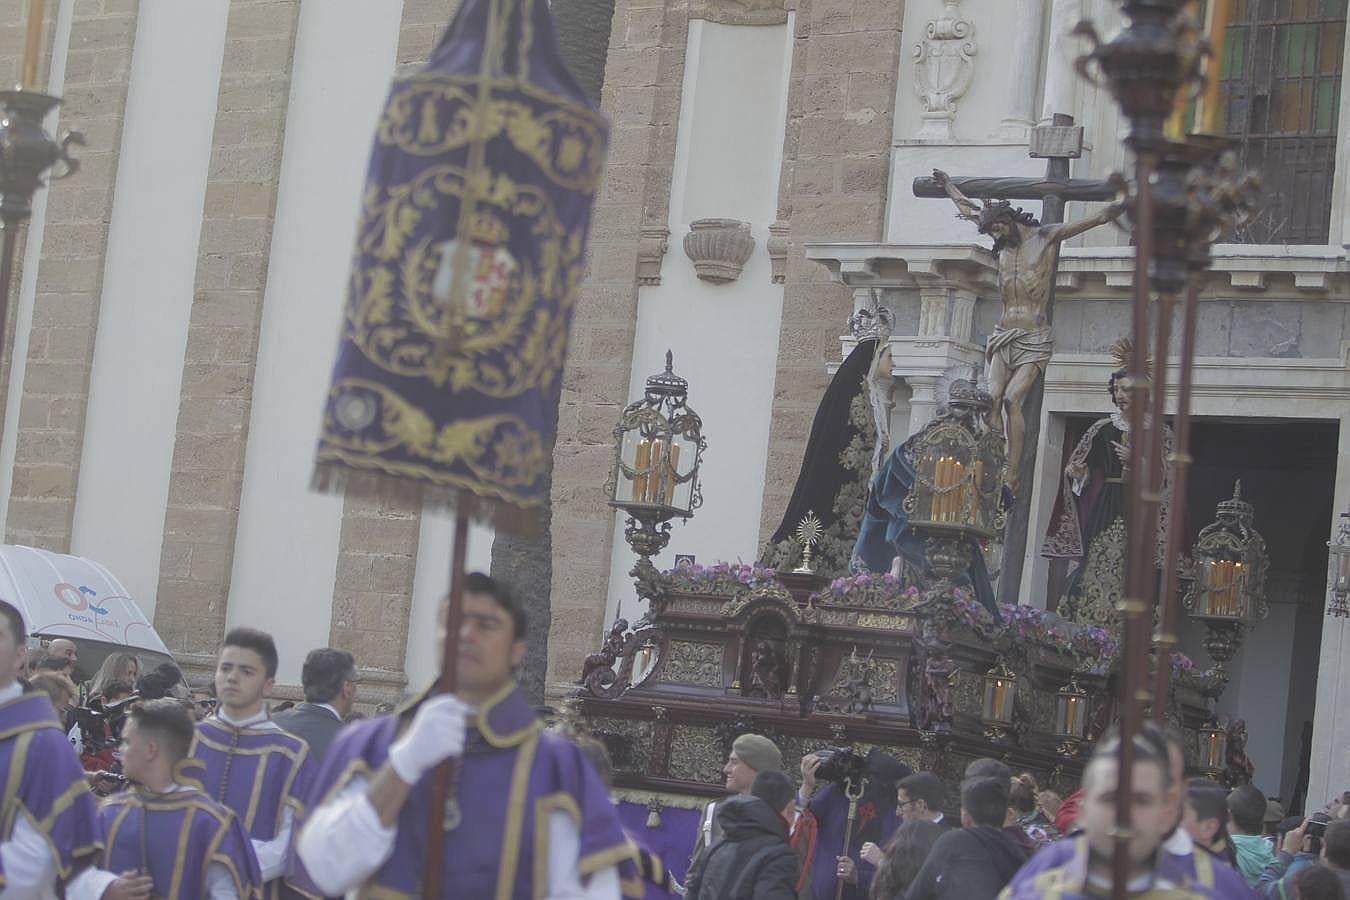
(1228, 594)
(1071, 717)
(658, 447)
(1000, 697)
(1213, 747)
(1338, 598)
(956, 501)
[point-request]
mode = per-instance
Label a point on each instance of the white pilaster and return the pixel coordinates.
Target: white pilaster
(1330, 766)
(151, 267)
(287, 546)
(1061, 81)
(1024, 72)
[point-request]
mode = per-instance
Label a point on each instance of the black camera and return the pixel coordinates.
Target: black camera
(1317, 825)
(840, 764)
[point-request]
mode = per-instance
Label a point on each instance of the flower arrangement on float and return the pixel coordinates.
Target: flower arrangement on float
(720, 578)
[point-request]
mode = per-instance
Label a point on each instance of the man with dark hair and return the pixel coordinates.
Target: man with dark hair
(250, 765)
(1336, 851)
(1247, 807)
(921, 796)
(1205, 819)
(47, 814)
(975, 861)
(1081, 867)
(752, 860)
(211, 856)
(987, 767)
(329, 680)
(532, 809)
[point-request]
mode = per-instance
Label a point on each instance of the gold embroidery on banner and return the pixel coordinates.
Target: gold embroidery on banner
(396, 320)
(433, 114)
(502, 449)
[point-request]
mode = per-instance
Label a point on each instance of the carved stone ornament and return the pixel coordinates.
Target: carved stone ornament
(653, 242)
(944, 64)
(719, 248)
(778, 250)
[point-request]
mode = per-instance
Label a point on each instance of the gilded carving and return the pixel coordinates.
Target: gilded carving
(689, 662)
(884, 681)
(694, 755)
(634, 736)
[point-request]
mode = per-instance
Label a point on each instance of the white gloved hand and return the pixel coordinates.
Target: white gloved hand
(436, 734)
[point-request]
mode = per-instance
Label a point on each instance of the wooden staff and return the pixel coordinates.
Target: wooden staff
(848, 828)
(446, 773)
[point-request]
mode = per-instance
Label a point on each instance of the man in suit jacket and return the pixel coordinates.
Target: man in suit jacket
(329, 679)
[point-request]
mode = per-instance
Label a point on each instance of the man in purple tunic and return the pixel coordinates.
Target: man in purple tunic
(164, 829)
(250, 765)
(47, 814)
(1080, 867)
(528, 807)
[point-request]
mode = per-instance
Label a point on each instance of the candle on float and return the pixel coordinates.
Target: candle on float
(672, 461)
(1209, 114)
(1175, 127)
(32, 43)
(642, 463)
(958, 492)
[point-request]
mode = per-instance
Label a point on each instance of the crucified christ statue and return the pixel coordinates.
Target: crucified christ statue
(1020, 348)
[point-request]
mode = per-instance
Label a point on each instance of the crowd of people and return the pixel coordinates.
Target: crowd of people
(129, 785)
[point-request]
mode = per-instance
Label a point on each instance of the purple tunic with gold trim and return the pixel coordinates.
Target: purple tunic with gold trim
(513, 775)
(44, 783)
(175, 838)
(1059, 872)
(257, 773)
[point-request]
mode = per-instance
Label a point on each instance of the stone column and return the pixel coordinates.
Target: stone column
(69, 282)
(1024, 71)
(213, 416)
(923, 403)
(1061, 81)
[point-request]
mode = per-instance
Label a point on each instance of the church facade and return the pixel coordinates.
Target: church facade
(175, 319)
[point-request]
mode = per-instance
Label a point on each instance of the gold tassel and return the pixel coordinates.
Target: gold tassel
(654, 813)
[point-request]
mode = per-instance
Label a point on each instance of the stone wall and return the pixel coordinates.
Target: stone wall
(833, 187)
(213, 416)
(65, 312)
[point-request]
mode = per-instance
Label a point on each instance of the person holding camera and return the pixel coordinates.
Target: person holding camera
(875, 781)
(1317, 841)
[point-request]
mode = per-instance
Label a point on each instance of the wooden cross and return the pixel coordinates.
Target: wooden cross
(1057, 143)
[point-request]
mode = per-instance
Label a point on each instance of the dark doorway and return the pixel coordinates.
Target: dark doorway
(1288, 470)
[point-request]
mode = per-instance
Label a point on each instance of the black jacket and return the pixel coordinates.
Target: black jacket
(967, 864)
(313, 723)
(752, 861)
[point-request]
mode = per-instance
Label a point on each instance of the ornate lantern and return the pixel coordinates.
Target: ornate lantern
(1213, 740)
(1228, 593)
(1000, 695)
(1071, 717)
(958, 480)
(1338, 599)
(658, 448)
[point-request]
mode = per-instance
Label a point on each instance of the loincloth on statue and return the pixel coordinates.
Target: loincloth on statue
(1019, 347)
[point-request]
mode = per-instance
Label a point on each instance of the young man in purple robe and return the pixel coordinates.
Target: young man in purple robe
(529, 818)
(48, 832)
(166, 830)
(250, 765)
(1080, 867)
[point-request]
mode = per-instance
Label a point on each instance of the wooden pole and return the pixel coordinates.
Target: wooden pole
(1133, 649)
(848, 831)
(1166, 638)
(444, 775)
(32, 45)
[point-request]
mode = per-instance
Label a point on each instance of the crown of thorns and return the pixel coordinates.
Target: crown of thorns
(995, 211)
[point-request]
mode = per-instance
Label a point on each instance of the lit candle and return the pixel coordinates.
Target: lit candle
(1209, 115)
(1175, 127)
(958, 492)
(642, 466)
(672, 460)
(1073, 716)
(32, 45)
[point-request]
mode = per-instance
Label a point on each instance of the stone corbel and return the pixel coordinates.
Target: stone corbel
(719, 248)
(944, 64)
(653, 242)
(777, 245)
